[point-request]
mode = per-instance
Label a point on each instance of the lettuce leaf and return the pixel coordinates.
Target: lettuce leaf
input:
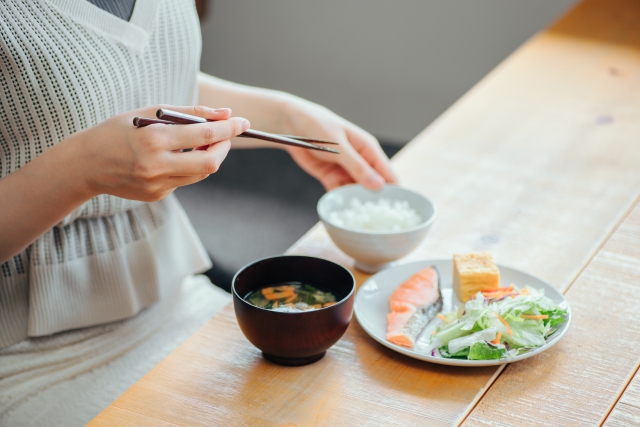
(527, 333)
(458, 344)
(451, 331)
(483, 351)
(462, 354)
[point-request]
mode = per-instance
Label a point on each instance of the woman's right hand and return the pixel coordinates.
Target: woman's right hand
(115, 157)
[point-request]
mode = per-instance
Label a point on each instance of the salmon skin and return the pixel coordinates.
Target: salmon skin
(413, 305)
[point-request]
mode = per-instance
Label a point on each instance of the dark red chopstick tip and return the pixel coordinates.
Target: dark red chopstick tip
(143, 122)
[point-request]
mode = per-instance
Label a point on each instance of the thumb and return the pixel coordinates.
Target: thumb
(200, 111)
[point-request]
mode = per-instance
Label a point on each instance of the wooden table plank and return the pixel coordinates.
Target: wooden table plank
(530, 160)
(578, 380)
(627, 409)
(217, 375)
(538, 163)
(612, 28)
(128, 418)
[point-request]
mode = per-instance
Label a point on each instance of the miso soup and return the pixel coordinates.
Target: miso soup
(291, 297)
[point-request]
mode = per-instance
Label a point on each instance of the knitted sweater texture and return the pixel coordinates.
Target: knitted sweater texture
(66, 65)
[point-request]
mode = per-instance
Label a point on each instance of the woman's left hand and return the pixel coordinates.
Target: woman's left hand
(361, 160)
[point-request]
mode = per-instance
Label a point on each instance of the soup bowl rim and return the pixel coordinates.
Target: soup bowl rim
(243, 268)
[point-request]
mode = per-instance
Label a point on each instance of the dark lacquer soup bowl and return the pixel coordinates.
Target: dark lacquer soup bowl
(300, 338)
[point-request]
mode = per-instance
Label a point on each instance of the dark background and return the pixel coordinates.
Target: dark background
(258, 204)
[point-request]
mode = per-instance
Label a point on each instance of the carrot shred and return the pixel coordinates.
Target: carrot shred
(441, 317)
(498, 292)
(433, 332)
(524, 291)
(504, 322)
(497, 340)
(279, 295)
(534, 316)
(504, 289)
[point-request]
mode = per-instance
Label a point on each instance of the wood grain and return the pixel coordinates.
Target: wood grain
(627, 410)
(578, 380)
(217, 375)
(125, 417)
(538, 163)
(572, 383)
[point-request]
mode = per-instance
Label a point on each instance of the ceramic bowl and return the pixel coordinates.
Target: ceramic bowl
(294, 339)
(374, 251)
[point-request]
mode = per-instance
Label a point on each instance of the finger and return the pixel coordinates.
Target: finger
(203, 134)
(369, 148)
(197, 162)
(169, 184)
(200, 111)
(330, 175)
(336, 177)
(359, 169)
(181, 181)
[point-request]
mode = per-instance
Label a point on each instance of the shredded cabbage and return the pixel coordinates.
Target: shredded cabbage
(468, 331)
(458, 344)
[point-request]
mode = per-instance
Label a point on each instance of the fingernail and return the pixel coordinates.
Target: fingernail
(245, 125)
(221, 110)
(375, 180)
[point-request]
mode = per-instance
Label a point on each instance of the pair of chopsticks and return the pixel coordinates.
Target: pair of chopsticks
(169, 117)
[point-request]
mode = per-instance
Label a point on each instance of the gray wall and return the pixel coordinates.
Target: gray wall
(389, 66)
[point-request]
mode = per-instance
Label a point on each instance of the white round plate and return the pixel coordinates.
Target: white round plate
(372, 305)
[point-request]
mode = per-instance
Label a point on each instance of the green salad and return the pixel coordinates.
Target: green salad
(496, 324)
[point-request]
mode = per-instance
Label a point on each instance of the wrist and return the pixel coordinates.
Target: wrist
(286, 108)
(70, 156)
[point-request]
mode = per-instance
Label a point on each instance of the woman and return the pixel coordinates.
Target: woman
(89, 231)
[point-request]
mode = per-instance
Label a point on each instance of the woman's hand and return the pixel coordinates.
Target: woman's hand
(146, 163)
(113, 157)
(360, 160)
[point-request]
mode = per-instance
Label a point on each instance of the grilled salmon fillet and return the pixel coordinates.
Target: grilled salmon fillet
(413, 305)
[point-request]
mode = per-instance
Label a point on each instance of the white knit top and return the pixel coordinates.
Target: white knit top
(66, 65)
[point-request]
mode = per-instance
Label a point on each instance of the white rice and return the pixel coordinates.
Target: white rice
(382, 215)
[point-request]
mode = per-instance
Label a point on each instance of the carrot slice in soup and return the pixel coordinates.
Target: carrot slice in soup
(279, 295)
(292, 298)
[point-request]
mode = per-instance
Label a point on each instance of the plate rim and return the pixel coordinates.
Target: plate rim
(461, 362)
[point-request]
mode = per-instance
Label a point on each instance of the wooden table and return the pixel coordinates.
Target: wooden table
(539, 163)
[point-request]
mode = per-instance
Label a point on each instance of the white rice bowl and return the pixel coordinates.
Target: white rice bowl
(381, 215)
